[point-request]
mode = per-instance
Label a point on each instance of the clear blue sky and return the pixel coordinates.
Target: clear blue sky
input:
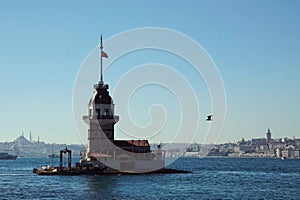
(255, 44)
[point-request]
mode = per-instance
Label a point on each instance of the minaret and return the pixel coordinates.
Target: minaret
(100, 118)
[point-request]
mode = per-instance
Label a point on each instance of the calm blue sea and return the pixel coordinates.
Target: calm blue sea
(211, 178)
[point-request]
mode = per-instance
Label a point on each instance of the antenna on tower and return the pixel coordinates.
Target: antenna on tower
(102, 54)
(101, 47)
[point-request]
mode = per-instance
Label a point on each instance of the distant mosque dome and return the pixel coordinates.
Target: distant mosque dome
(21, 140)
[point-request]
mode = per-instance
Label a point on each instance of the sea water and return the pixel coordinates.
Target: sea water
(210, 178)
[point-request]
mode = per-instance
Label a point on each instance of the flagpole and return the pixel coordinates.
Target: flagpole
(101, 47)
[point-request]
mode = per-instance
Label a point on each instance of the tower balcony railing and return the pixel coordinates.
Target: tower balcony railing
(86, 117)
(105, 117)
(108, 117)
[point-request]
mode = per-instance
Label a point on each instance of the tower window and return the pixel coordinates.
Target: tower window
(106, 112)
(98, 113)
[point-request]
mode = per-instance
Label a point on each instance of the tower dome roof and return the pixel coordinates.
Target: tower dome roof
(101, 95)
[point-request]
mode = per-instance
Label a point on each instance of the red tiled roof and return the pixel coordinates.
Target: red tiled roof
(137, 143)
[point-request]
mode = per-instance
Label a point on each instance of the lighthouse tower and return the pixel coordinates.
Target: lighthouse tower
(103, 150)
(100, 118)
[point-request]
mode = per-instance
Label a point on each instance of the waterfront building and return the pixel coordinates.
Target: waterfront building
(285, 153)
(278, 153)
(296, 153)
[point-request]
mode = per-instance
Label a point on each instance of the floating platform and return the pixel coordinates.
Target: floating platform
(94, 167)
(74, 171)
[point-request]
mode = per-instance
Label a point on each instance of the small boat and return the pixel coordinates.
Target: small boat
(7, 156)
(46, 170)
(52, 155)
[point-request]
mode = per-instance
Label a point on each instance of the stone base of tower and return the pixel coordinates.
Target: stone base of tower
(126, 165)
(136, 166)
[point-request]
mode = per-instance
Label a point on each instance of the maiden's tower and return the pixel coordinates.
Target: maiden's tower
(106, 151)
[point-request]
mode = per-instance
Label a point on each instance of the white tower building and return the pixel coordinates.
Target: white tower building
(103, 149)
(100, 118)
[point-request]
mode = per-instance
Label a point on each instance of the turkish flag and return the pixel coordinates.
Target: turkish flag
(103, 54)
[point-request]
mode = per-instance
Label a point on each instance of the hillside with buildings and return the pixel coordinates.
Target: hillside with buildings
(259, 147)
(23, 147)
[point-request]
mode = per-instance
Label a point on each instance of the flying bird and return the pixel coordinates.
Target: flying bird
(209, 118)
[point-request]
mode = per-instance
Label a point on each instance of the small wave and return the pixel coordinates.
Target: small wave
(16, 174)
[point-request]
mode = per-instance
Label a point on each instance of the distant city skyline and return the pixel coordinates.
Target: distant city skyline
(35, 138)
(255, 45)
